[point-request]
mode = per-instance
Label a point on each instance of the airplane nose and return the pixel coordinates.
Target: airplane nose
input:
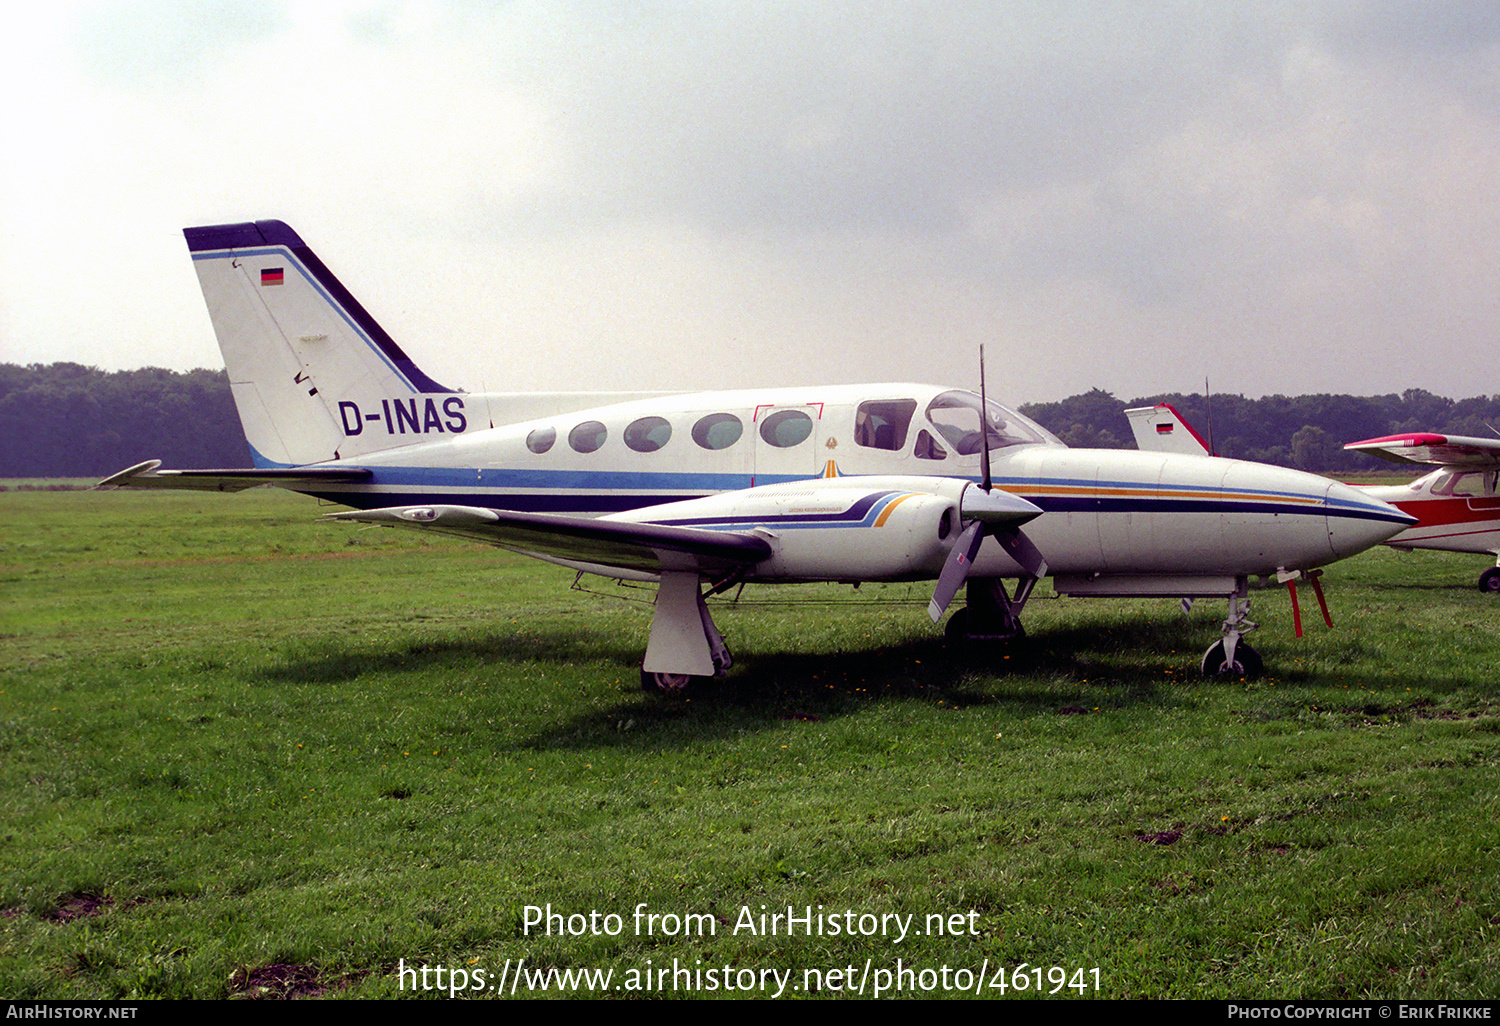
(1357, 521)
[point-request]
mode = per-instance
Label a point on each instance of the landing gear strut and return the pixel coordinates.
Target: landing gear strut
(1230, 656)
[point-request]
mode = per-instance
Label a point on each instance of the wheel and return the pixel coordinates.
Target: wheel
(1247, 662)
(957, 628)
(667, 683)
(958, 631)
(1490, 580)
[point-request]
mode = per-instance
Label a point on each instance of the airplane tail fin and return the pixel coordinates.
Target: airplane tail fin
(1160, 428)
(315, 378)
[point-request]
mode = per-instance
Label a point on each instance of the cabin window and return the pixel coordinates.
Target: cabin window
(540, 440)
(648, 434)
(718, 430)
(588, 436)
(883, 424)
(929, 448)
(786, 428)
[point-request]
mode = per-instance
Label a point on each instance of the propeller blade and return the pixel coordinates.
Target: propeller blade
(1023, 551)
(984, 428)
(955, 569)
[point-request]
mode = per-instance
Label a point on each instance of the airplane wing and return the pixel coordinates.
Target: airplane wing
(1438, 450)
(1160, 428)
(648, 548)
(145, 475)
(845, 528)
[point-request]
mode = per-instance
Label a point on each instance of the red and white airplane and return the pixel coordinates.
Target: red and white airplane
(703, 491)
(1456, 506)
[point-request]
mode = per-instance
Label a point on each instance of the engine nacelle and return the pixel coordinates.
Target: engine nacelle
(845, 529)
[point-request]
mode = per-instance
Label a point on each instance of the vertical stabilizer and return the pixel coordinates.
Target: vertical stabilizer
(315, 378)
(1161, 428)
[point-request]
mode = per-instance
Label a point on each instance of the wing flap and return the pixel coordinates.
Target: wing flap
(649, 548)
(1433, 449)
(146, 475)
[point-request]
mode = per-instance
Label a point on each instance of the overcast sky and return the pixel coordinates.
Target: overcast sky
(1293, 197)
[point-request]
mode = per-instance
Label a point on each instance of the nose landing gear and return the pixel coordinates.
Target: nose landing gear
(1230, 656)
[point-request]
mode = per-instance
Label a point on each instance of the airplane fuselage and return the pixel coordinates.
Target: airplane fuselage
(1104, 512)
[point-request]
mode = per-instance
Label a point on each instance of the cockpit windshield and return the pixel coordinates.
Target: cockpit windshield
(955, 414)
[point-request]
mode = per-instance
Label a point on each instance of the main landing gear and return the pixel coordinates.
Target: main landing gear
(1490, 580)
(991, 613)
(685, 647)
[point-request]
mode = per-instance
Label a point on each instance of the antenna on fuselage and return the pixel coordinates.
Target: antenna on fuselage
(984, 427)
(1208, 405)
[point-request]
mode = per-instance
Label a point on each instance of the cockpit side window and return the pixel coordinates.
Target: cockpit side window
(540, 440)
(929, 448)
(1471, 484)
(956, 416)
(883, 424)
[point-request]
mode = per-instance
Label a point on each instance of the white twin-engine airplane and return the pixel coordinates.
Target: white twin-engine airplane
(887, 482)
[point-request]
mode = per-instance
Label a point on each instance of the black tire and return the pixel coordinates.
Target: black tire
(667, 683)
(1490, 580)
(957, 632)
(1247, 662)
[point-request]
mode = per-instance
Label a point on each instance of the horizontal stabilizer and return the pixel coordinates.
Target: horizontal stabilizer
(649, 548)
(1436, 450)
(146, 475)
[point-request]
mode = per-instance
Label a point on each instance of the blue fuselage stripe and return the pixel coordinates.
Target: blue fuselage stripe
(614, 492)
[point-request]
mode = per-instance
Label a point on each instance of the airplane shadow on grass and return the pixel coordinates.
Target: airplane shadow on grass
(1059, 670)
(1136, 661)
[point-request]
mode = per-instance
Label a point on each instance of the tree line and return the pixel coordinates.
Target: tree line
(68, 420)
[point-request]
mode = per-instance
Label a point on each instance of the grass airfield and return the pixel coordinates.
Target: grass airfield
(244, 753)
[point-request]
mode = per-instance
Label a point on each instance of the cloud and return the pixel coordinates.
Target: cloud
(780, 185)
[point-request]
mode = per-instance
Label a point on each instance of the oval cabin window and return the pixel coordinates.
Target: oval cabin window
(786, 428)
(648, 434)
(588, 436)
(718, 430)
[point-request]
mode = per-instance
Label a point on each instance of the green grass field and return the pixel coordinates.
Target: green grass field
(247, 753)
